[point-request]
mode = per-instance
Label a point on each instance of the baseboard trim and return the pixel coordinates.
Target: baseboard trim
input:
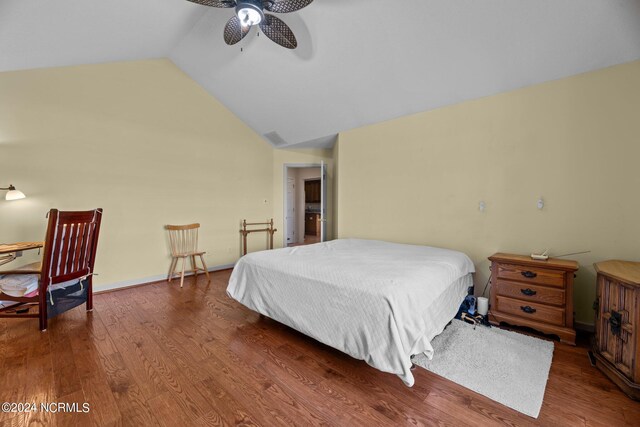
(125, 284)
(584, 327)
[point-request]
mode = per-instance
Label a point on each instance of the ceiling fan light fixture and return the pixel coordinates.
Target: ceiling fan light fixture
(249, 12)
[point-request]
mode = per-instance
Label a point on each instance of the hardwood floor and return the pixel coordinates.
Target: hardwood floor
(161, 355)
(308, 240)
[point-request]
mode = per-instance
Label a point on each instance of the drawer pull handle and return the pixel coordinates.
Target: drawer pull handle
(528, 292)
(529, 274)
(527, 309)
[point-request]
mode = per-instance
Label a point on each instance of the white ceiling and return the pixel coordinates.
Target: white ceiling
(51, 33)
(358, 61)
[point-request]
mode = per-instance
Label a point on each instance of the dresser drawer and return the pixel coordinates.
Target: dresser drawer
(533, 275)
(531, 311)
(529, 292)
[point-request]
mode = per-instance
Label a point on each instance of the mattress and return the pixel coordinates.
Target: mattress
(377, 301)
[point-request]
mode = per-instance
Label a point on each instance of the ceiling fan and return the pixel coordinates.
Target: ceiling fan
(251, 12)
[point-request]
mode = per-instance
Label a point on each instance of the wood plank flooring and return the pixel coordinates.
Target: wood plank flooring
(161, 355)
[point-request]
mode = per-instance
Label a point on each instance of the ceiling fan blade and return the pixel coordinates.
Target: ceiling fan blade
(215, 3)
(278, 31)
(285, 6)
(234, 31)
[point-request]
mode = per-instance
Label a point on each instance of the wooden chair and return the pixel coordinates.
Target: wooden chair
(69, 255)
(184, 244)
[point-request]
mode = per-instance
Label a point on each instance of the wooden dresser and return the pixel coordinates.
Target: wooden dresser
(617, 340)
(537, 294)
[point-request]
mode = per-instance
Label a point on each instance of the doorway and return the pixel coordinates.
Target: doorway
(305, 204)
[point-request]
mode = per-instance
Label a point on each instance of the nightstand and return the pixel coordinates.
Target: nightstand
(617, 340)
(537, 294)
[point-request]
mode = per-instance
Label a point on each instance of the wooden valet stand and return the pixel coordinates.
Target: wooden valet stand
(246, 231)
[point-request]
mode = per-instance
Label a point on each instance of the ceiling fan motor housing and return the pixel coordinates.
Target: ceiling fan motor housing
(250, 12)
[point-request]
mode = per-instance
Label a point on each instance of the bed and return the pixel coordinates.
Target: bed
(376, 301)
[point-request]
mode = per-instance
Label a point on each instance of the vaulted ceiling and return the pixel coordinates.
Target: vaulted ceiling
(358, 61)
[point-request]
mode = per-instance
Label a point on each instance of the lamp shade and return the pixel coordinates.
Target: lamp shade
(14, 195)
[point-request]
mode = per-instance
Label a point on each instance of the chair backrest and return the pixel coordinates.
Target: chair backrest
(70, 245)
(183, 238)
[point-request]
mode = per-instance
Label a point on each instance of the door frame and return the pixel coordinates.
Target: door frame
(285, 173)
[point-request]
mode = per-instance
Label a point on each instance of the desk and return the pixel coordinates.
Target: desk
(8, 252)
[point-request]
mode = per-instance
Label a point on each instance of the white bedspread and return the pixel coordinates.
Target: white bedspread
(376, 301)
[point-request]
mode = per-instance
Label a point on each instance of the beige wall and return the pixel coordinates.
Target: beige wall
(575, 142)
(144, 142)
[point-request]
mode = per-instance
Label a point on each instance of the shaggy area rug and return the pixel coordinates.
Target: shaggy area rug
(505, 366)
